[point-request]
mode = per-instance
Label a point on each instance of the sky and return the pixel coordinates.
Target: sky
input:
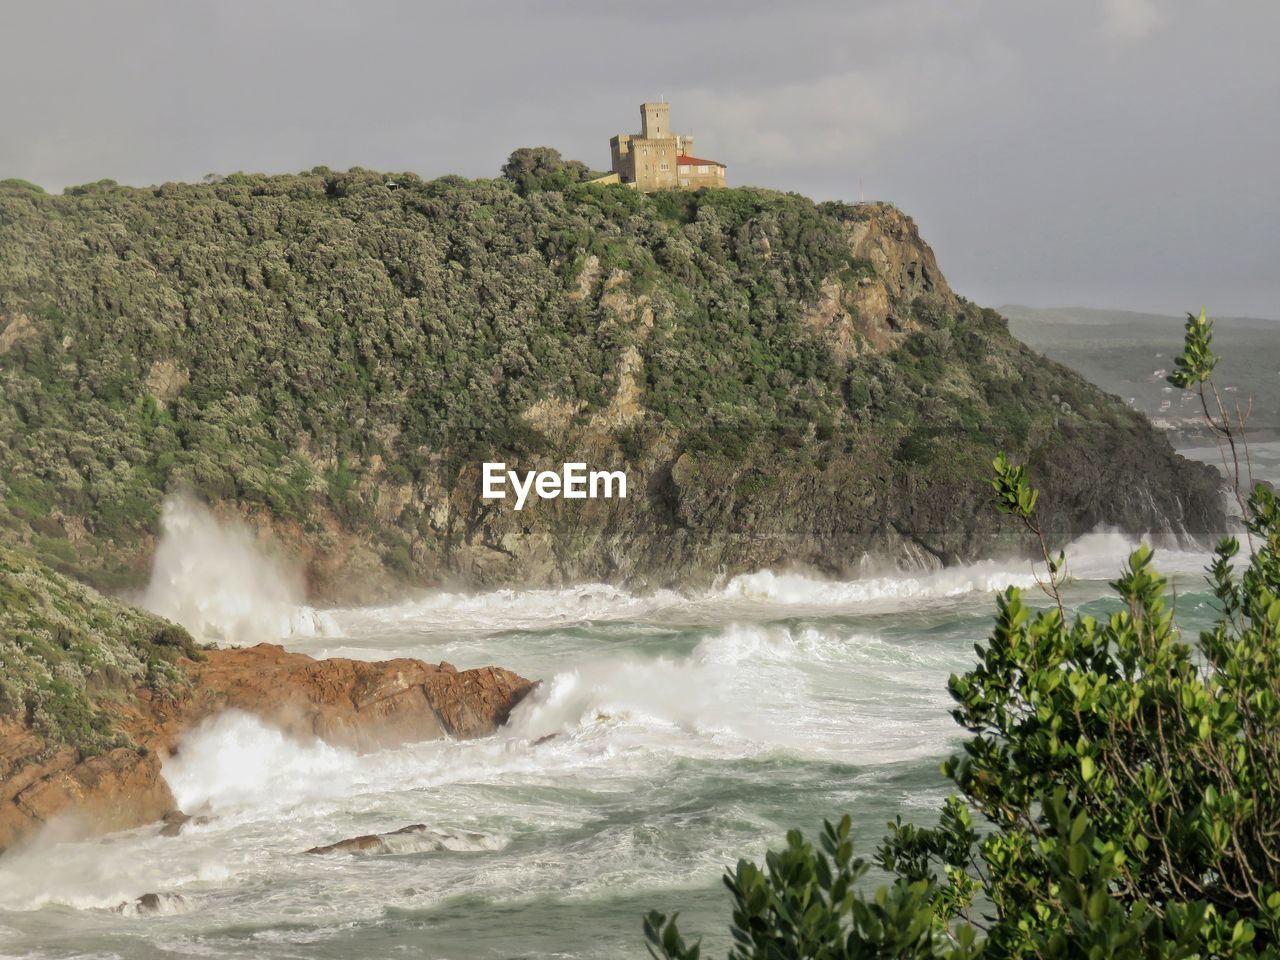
(1109, 153)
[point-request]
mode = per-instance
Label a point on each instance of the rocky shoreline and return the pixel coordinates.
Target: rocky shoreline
(347, 703)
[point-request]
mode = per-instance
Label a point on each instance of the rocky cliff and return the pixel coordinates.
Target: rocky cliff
(95, 695)
(333, 356)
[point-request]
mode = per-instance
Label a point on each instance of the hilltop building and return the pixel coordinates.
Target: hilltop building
(657, 159)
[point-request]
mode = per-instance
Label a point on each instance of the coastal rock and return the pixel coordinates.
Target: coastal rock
(415, 838)
(113, 791)
(347, 703)
(175, 821)
(154, 903)
(352, 703)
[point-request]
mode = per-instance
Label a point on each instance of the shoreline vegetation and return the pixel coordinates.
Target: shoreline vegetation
(332, 356)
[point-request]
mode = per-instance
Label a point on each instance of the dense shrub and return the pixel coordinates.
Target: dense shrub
(542, 168)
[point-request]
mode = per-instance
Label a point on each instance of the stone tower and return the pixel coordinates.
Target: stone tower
(654, 121)
(657, 159)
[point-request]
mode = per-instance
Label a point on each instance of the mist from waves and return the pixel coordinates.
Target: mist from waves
(212, 576)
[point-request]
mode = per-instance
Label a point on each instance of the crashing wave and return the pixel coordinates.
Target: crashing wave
(212, 577)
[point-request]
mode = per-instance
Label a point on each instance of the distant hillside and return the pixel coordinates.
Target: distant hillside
(1129, 354)
(333, 355)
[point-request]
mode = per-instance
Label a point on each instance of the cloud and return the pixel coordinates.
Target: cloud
(850, 114)
(859, 115)
(1129, 21)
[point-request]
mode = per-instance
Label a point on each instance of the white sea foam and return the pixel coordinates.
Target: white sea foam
(212, 577)
(792, 588)
(235, 761)
(237, 768)
(508, 609)
(752, 689)
(104, 874)
(1095, 557)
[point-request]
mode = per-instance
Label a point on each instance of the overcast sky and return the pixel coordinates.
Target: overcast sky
(1110, 153)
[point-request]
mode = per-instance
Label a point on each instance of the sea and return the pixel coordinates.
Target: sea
(672, 733)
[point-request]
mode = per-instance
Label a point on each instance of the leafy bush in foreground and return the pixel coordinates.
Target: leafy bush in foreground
(1128, 780)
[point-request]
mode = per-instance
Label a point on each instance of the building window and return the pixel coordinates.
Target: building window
(702, 169)
(666, 166)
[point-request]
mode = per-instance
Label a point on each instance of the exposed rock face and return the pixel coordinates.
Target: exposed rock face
(165, 380)
(867, 313)
(352, 703)
(903, 262)
(119, 789)
(13, 329)
(347, 703)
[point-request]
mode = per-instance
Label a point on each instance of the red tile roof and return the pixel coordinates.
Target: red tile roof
(690, 161)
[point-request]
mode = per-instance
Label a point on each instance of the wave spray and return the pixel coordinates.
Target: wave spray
(212, 577)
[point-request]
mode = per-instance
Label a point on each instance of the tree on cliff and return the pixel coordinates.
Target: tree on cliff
(1129, 779)
(542, 168)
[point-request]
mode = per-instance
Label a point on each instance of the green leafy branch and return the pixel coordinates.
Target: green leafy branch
(1015, 495)
(1193, 370)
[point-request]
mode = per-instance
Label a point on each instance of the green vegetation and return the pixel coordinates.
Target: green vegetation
(542, 168)
(69, 656)
(1127, 781)
(313, 346)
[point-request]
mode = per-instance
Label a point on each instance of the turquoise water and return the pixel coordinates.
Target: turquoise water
(671, 735)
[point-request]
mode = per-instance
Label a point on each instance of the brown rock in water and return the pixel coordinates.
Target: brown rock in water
(352, 703)
(175, 821)
(154, 903)
(365, 843)
(119, 789)
(347, 703)
(415, 838)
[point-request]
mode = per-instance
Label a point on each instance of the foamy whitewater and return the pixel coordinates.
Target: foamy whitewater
(671, 735)
(211, 576)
